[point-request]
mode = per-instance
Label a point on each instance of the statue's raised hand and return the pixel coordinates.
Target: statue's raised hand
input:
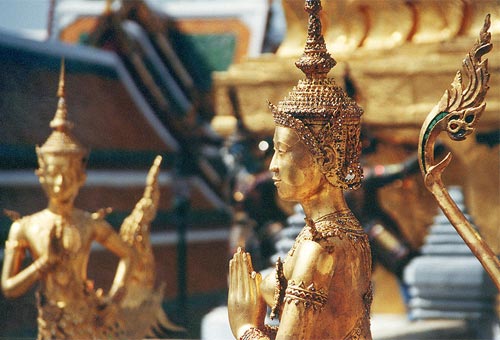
(246, 306)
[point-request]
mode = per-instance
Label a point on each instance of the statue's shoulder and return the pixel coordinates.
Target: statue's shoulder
(93, 220)
(89, 219)
(21, 225)
(12, 214)
(81, 214)
(18, 219)
(312, 263)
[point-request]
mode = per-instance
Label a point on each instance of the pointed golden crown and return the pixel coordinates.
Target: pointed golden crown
(61, 141)
(326, 120)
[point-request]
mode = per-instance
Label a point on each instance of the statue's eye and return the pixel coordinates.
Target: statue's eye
(455, 117)
(469, 119)
(279, 151)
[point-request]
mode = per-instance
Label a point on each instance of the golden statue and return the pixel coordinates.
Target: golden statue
(59, 240)
(322, 290)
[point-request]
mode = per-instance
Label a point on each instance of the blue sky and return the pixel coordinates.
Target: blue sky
(24, 14)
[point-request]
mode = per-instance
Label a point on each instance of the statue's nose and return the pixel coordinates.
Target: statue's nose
(273, 166)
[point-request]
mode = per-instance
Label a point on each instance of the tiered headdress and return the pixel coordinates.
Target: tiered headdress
(327, 121)
(61, 141)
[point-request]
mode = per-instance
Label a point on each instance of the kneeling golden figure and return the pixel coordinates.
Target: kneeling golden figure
(59, 240)
(322, 290)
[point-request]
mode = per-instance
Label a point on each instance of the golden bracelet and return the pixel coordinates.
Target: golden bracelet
(11, 245)
(271, 331)
(279, 290)
(253, 334)
(40, 267)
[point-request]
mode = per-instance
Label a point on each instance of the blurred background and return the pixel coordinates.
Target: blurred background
(190, 80)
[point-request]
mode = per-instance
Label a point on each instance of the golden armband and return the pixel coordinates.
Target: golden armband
(12, 245)
(279, 290)
(310, 296)
(253, 334)
(41, 266)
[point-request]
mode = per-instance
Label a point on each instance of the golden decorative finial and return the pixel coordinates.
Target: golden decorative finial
(321, 113)
(61, 140)
(316, 61)
(457, 113)
(60, 90)
(60, 121)
(108, 10)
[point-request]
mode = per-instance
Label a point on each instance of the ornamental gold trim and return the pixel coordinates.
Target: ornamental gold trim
(309, 296)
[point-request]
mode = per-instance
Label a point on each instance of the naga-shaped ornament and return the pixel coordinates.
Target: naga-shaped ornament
(457, 113)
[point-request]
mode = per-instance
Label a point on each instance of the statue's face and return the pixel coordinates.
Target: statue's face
(296, 175)
(61, 177)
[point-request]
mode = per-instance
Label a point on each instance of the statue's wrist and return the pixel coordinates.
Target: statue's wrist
(117, 294)
(240, 331)
(249, 332)
(42, 264)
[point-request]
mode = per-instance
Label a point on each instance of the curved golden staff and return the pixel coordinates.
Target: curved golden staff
(457, 113)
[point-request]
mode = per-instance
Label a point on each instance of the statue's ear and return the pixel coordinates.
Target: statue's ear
(39, 156)
(40, 172)
(79, 165)
(41, 175)
(327, 160)
(328, 164)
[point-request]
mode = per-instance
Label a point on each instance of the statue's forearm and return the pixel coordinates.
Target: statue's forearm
(16, 285)
(121, 277)
(113, 242)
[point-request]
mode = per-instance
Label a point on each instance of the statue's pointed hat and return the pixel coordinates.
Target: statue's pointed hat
(321, 113)
(61, 140)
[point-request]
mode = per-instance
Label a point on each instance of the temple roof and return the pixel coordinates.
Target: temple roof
(112, 118)
(99, 93)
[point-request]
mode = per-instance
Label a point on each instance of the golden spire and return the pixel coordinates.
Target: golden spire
(60, 89)
(316, 61)
(61, 140)
(60, 119)
(321, 113)
(108, 9)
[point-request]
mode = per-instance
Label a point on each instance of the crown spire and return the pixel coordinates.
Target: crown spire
(60, 121)
(315, 62)
(62, 73)
(108, 7)
(61, 140)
